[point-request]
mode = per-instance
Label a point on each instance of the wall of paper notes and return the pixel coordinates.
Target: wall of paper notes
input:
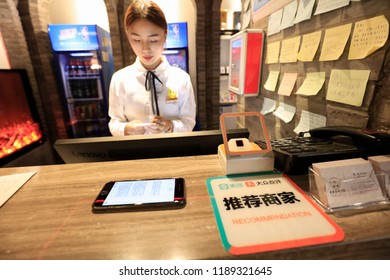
(324, 61)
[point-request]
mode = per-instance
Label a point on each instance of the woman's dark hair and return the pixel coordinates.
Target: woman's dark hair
(145, 9)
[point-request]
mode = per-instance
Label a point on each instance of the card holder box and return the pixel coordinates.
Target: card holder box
(381, 164)
(319, 193)
(384, 181)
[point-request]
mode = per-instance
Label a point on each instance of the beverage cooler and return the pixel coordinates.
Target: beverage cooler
(176, 46)
(84, 62)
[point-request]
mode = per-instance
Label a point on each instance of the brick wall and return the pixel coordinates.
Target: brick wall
(35, 17)
(375, 111)
(115, 23)
(207, 61)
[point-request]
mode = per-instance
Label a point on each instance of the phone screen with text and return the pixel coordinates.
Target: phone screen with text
(140, 192)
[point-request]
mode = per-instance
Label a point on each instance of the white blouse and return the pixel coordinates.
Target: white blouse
(129, 100)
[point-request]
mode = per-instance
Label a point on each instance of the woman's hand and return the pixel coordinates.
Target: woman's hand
(134, 128)
(161, 125)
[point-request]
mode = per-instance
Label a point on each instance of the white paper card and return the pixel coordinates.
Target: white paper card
(348, 182)
(10, 184)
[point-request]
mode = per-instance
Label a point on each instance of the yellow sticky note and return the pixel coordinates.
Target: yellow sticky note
(334, 42)
(368, 36)
(312, 84)
(272, 80)
(289, 51)
(309, 46)
(347, 86)
(272, 52)
(287, 83)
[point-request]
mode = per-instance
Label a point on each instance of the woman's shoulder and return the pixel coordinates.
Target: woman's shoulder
(172, 70)
(128, 71)
(178, 72)
(125, 70)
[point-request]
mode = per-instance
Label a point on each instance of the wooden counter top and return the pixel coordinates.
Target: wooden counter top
(50, 218)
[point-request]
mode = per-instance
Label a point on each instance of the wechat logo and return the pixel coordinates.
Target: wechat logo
(223, 186)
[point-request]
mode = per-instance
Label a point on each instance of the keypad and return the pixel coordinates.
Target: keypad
(295, 145)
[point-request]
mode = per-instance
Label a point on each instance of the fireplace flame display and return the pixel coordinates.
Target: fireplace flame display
(20, 129)
(16, 136)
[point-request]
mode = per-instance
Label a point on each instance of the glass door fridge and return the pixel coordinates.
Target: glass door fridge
(83, 58)
(176, 47)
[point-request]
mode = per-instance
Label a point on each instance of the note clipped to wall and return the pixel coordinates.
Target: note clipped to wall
(368, 36)
(334, 43)
(325, 6)
(305, 9)
(287, 84)
(312, 83)
(289, 12)
(290, 48)
(274, 22)
(309, 121)
(272, 80)
(347, 86)
(309, 46)
(273, 50)
(285, 112)
(269, 105)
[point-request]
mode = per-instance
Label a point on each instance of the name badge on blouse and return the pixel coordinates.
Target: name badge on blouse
(171, 96)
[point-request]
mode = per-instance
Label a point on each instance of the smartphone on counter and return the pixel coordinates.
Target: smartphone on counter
(141, 195)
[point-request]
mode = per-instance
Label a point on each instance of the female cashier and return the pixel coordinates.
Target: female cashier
(149, 96)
